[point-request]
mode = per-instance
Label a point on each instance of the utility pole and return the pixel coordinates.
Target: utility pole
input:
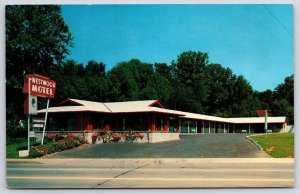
(266, 120)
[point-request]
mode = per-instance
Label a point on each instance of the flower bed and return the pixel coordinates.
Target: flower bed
(108, 136)
(62, 142)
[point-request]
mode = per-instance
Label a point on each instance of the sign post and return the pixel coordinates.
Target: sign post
(46, 115)
(37, 86)
(266, 121)
(28, 128)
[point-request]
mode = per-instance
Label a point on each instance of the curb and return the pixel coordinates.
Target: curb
(13, 160)
(155, 161)
(249, 138)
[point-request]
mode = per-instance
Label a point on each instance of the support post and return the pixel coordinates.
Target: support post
(28, 130)
(208, 127)
(196, 126)
(214, 127)
(123, 124)
(45, 121)
(188, 126)
(266, 120)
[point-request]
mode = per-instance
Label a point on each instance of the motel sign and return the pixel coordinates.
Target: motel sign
(37, 85)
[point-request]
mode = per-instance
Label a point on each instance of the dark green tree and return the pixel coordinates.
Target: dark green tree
(220, 86)
(37, 39)
(190, 66)
(161, 87)
(283, 99)
(266, 99)
(189, 75)
(96, 81)
(128, 79)
(164, 70)
(286, 90)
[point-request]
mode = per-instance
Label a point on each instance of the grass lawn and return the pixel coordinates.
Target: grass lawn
(12, 150)
(278, 145)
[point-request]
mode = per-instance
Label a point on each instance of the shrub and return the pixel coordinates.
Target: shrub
(82, 140)
(69, 143)
(116, 136)
(50, 148)
(50, 137)
(140, 135)
(72, 135)
(65, 142)
(38, 151)
(94, 137)
(59, 146)
(77, 143)
(59, 137)
(34, 152)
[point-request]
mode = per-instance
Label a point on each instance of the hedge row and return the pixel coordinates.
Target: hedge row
(68, 142)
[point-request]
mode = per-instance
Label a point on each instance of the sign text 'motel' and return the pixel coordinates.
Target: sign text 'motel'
(40, 86)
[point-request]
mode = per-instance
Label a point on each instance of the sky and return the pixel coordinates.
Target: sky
(255, 41)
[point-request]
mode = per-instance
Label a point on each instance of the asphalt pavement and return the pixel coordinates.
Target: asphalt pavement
(190, 146)
(150, 173)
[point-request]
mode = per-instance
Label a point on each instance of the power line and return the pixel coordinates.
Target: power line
(283, 26)
(269, 32)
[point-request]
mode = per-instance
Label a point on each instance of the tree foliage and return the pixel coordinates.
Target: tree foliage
(37, 41)
(281, 100)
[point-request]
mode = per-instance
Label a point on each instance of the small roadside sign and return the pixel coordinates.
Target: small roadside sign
(38, 120)
(38, 125)
(31, 134)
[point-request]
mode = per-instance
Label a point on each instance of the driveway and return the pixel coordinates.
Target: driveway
(190, 146)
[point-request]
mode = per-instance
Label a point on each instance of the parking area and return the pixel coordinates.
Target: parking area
(190, 146)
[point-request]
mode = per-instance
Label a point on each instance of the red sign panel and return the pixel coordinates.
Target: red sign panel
(38, 85)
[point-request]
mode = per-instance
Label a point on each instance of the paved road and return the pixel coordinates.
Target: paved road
(150, 173)
(190, 146)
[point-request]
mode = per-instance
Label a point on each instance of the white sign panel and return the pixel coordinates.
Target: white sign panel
(38, 125)
(38, 120)
(32, 104)
(31, 134)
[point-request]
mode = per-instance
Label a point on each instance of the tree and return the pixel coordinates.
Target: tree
(282, 107)
(286, 90)
(284, 99)
(37, 39)
(161, 88)
(220, 86)
(96, 81)
(189, 77)
(266, 99)
(281, 100)
(164, 70)
(190, 66)
(128, 79)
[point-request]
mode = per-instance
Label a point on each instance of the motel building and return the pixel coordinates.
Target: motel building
(148, 117)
